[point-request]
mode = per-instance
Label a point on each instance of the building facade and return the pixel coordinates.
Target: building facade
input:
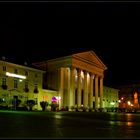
(110, 97)
(22, 83)
(78, 78)
(71, 81)
(129, 96)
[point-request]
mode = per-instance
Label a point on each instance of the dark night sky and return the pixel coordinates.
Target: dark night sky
(40, 31)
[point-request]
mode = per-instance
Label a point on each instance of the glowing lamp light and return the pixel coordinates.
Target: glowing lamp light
(128, 102)
(58, 98)
(112, 103)
(45, 98)
(15, 75)
(54, 99)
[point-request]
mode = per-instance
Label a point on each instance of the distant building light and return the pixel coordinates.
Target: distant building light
(129, 103)
(112, 103)
(15, 75)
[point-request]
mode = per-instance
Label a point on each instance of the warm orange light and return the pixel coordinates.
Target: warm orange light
(129, 103)
(45, 98)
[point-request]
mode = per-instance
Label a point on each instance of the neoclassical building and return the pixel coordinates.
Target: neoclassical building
(78, 78)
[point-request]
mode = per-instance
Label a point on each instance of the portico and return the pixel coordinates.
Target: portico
(78, 79)
(79, 88)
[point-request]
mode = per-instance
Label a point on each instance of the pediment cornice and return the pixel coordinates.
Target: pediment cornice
(91, 58)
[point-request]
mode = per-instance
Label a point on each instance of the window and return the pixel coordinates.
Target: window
(15, 84)
(35, 75)
(3, 81)
(26, 89)
(4, 86)
(36, 89)
(26, 73)
(4, 68)
(36, 101)
(15, 71)
(26, 84)
(26, 98)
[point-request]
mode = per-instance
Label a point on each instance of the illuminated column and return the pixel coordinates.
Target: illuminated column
(72, 82)
(101, 92)
(85, 90)
(79, 89)
(96, 91)
(91, 91)
(61, 87)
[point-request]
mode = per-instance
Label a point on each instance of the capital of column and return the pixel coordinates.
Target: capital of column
(101, 77)
(85, 72)
(78, 71)
(91, 75)
(96, 76)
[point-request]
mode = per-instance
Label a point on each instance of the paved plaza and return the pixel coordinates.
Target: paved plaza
(21, 124)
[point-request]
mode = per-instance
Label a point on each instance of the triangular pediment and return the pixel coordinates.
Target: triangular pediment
(91, 58)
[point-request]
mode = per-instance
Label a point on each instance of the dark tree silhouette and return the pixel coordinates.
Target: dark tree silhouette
(43, 104)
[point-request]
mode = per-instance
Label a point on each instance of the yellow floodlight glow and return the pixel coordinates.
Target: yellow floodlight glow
(112, 103)
(15, 75)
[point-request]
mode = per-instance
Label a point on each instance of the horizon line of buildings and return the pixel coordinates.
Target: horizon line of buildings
(76, 80)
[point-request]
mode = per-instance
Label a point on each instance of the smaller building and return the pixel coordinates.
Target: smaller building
(110, 97)
(20, 84)
(129, 96)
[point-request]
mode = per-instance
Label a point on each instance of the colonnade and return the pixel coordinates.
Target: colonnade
(81, 88)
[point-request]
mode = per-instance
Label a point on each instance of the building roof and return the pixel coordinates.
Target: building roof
(88, 57)
(22, 66)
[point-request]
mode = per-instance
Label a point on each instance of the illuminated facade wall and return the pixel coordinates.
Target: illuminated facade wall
(78, 79)
(110, 97)
(23, 89)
